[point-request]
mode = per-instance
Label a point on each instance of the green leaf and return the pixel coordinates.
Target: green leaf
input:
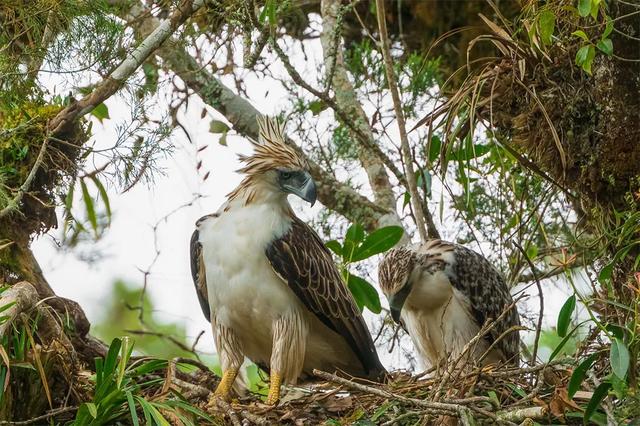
(579, 374)
(317, 106)
(434, 148)
(91, 210)
(606, 46)
(217, 126)
(598, 396)
(132, 409)
(594, 8)
(424, 181)
(101, 112)
(364, 294)
(581, 55)
(584, 8)
(355, 233)
(584, 57)
(335, 247)
(608, 28)
(223, 139)
(564, 317)
(377, 242)
(619, 357)
(93, 410)
(406, 199)
(103, 195)
(605, 273)
(547, 21)
(127, 348)
(353, 237)
(564, 341)
(581, 34)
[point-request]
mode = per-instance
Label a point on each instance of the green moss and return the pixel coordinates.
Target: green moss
(23, 129)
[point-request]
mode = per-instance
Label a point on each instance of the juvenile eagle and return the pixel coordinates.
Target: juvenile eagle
(267, 283)
(442, 293)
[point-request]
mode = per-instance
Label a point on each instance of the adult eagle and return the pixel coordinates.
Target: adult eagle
(267, 283)
(442, 293)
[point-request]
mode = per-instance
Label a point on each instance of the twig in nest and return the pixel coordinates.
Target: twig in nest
(428, 406)
(253, 418)
(453, 366)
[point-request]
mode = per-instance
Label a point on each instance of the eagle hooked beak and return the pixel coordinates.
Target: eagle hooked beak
(303, 186)
(396, 301)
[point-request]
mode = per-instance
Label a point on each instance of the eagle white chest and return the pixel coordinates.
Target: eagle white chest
(244, 292)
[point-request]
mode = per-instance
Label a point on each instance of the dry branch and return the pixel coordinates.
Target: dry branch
(407, 158)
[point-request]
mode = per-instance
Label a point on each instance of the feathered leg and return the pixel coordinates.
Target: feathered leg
(231, 358)
(287, 355)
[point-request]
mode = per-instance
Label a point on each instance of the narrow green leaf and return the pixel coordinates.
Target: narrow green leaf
(599, 395)
(101, 112)
(217, 126)
(7, 306)
(434, 148)
(606, 46)
(547, 21)
(91, 210)
(364, 294)
(132, 408)
(378, 242)
(619, 357)
(579, 374)
(406, 199)
(581, 34)
(584, 7)
(104, 196)
(93, 410)
(334, 246)
(594, 9)
(125, 354)
(608, 28)
(564, 317)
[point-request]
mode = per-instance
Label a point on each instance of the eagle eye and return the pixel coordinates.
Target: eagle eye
(286, 175)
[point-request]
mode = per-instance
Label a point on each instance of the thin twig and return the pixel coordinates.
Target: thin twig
(27, 182)
(534, 356)
(451, 409)
(404, 141)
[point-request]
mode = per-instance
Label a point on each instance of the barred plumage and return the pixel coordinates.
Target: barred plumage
(443, 293)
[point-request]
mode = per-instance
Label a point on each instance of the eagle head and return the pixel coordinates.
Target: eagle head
(275, 167)
(395, 274)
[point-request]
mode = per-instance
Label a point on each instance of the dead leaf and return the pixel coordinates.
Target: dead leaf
(337, 404)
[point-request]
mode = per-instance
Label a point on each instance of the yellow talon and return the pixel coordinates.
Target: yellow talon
(274, 388)
(223, 390)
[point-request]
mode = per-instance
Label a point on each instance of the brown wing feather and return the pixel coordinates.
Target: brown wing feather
(198, 274)
(300, 258)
